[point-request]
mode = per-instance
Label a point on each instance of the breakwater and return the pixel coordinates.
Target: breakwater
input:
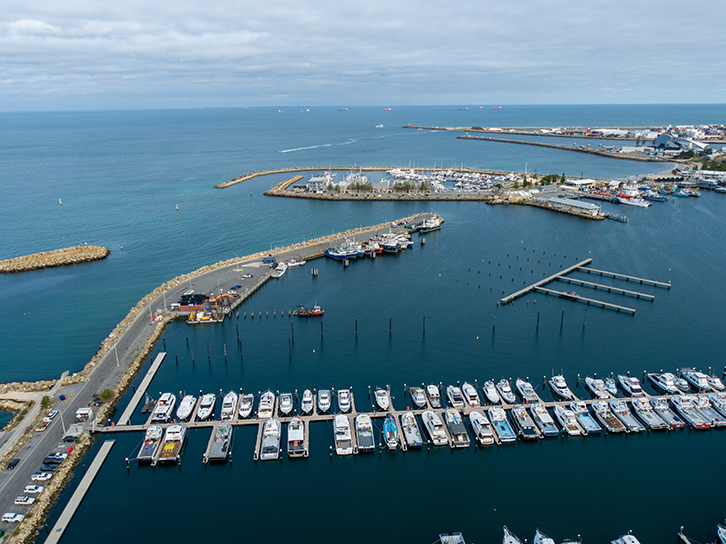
(536, 131)
(58, 257)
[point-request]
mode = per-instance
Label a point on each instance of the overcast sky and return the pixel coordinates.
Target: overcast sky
(91, 54)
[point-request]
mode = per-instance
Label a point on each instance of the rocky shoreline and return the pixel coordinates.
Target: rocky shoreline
(58, 257)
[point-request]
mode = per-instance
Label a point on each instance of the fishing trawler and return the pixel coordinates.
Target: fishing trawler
(410, 430)
(623, 413)
(607, 418)
(501, 426)
(660, 406)
(544, 420)
(644, 411)
(151, 442)
(584, 418)
(171, 447)
(221, 442)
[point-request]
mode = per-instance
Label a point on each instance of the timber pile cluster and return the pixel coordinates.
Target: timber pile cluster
(57, 257)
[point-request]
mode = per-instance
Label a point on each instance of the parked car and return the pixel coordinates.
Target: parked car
(10, 517)
(24, 500)
(33, 489)
(14, 463)
(49, 468)
(41, 476)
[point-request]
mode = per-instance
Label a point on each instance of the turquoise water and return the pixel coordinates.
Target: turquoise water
(120, 176)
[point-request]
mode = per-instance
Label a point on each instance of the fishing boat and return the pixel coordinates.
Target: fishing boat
(390, 432)
(364, 433)
(703, 405)
(630, 385)
(490, 392)
(455, 424)
(418, 397)
(434, 428)
(324, 401)
(597, 387)
(607, 418)
(481, 428)
(524, 424)
(302, 311)
(684, 405)
(543, 419)
(295, 262)
(229, 406)
(509, 537)
(611, 386)
(644, 411)
(382, 401)
(186, 407)
(501, 426)
(270, 446)
(623, 413)
(470, 394)
(721, 533)
(171, 447)
(697, 379)
(279, 270)
(151, 442)
(344, 401)
(432, 392)
(660, 406)
(665, 382)
(296, 437)
(505, 391)
(206, 406)
(586, 421)
(455, 397)
(307, 403)
(164, 408)
(430, 225)
(718, 401)
(634, 201)
(410, 430)
(541, 538)
(246, 404)
(221, 442)
(526, 391)
(567, 419)
(558, 384)
(715, 383)
(267, 405)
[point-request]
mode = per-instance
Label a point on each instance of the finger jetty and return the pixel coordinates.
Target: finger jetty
(58, 257)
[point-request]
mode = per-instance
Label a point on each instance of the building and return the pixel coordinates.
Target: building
(570, 205)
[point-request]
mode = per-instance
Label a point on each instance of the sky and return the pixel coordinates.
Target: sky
(91, 54)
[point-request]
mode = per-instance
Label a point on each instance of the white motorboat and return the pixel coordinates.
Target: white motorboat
(279, 270)
(558, 384)
(622, 412)
(270, 446)
(432, 392)
(630, 385)
(718, 401)
(382, 400)
(455, 424)
(470, 394)
(490, 392)
(524, 424)
(307, 402)
(703, 405)
(541, 538)
(246, 404)
(509, 537)
(171, 447)
(410, 430)
(660, 406)
(665, 382)
(715, 383)
(586, 421)
(625, 539)
(526, 391)
(567, 419)
(544, 420)
(364, 433)
(186, 407)
(267, 405)
(324, 401)
(597, 387)
(434, 427)
(455, 397)
(164, 408)
(685, 406)
(206, 406)
(418, 397)
(221, 442)
(285, 404)
(344, 402)
(481, 428)
(697, 379)
(611, 386)
(151, 442)
(644, 411)
(229, 406)
(721, 533)
(607, 418)
(500, 424)
(296, 437)
(505, 391)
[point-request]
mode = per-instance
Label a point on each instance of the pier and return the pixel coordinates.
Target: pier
(607, 288)
(553, 277)
(578, 298)
(80, 492)
(128, 412)
(626, 278)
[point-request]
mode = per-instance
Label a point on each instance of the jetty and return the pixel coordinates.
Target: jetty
(541, 283)
(58, 257)
(143, 386)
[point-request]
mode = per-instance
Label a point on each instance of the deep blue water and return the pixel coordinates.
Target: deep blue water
(120, 176)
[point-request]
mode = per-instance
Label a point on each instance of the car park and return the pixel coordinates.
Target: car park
(10, 517)
(33, 489)
(24, 500)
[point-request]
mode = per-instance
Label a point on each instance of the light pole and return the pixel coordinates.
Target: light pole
(62, 422)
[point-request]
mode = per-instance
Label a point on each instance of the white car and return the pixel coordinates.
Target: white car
(41, 476)
(13, 518)
(50, 416)
(24, 500)
(33, 489)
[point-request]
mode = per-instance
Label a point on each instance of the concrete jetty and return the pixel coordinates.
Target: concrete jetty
(617, 276)
(553, 277)
(143, 386)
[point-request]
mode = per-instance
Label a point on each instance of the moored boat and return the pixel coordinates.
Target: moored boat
(622, 412)
(703, 405)
(505, 391)
(285, 404)
(501, 426)
(663, 381)
(296, 437)
(481, 428)
(186, 407)
(526, 391)
(324, 401)
(541, 538)
(270, 445)
(490, 392)
(524, 424)
(718, 401)
(307, 403)
(164, 408)
(432, 392)
(364, 433)
(455, 424)
(715, 383)
(390, 432)
(611, 386)
(660, 406)
(607, 418)
(644, 411)
(246, 405)
(597, 387)
(586, 421)
(267, 405)
(410, 430)
(697, 379)
(279, 270)
(315, 311)
(382, 401)
(344, 402)
(558, 384)
(171, 447)
(151, 442)
(630, 385)
(567, 419)
(221, 441)
(418, 397)
(455, 397)
(206, 406)
(434, 428)
(625, 539)
(544, 420)
(470, 394)
(229, 406)
(509, 537)
(684, 405)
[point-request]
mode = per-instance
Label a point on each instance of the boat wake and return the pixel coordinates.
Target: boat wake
(316, 146)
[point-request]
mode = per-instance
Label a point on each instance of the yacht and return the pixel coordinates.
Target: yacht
(267, 405)
(343, 438)
(660, 406)
(434, 427)
(684, 405)
(626, 539)
(279, 270)
(324, 401)
(364, 433)
(665, 382)
(643, 410)
(470, 394)
(541, 538)
(390, 432)
(455, 424)
(171, 447)
(246, 404)
(152, 439)
(432, 392)
(481, 428)
(697, 379)
(623, 413)
(410, 430)
(597, 388)
(607, 418)
(703, 405)
(490, 392)
(584, 418)
(270, 447)
(611, 386)
(308, 402)
(718, 401)
(510, 538)
(296, 437)
(344, 400)
(455, 397)
(229, 406)
(186, 407)
(559, 387)
(382, 400)
(501, 426)
(544, 420)
(567, 419)
(526, 391)
(505, 391)
(221, 442)
(524, 424)
(418, 397)
(206, 406)
(285, 404)
(164, 408)
(715, 383)
(630, 385)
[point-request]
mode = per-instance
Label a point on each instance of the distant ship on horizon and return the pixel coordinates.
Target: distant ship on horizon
(496, 107)
(386, 109)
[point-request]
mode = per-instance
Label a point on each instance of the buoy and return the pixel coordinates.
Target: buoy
(177, 207)
(60, 201)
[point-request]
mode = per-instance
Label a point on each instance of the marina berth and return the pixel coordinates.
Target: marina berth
(697, 379)
(544, 420)
(171, 447)
(607, 418)
(307, 403)
(505, 391)
(382, 401)
(597, 387)
(390, 432)
(524, 424)
(434, 396)
(567, 419)
(296, 437)
(206, 406)
(325, 399)
(344, 402)
(434, 428)
(660, 406)
(285, 404)
(630, 385)
(685, 406)
(164, 408)
(481, 428)
(664, 382)
(644, 411)
(501, 426)
(703, 405)
(229, 406)
(586, 421)
(186, 407)
(418, 397)
(266, 405)
(526, 391)
(718, 401)
(150, 445)
(220, 442)
(246, 405)
(410, 429)
(558, 384)
(364, 433)
(490, 392)
(270, 445)
(623, 413)
(455, 424)
(455, 397)
(470, 394)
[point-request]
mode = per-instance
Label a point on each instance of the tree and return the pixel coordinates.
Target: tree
(106, 395)
(563, 179)
(45, 402)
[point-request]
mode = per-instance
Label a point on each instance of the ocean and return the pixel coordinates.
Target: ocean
(120, 176)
